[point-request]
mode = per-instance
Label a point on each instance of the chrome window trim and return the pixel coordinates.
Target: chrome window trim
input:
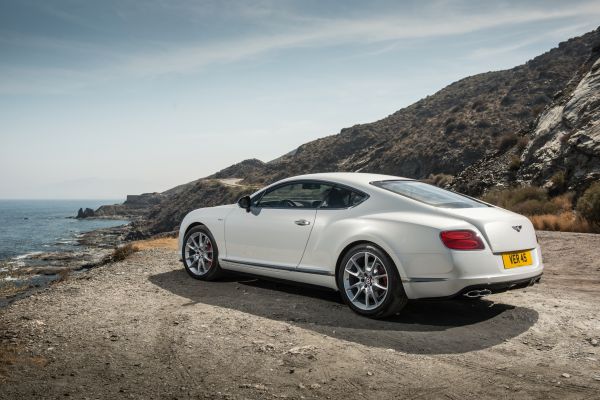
(254, 200)
(375, 183)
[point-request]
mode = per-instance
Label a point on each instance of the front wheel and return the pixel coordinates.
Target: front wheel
(200, 254)
(369, 282)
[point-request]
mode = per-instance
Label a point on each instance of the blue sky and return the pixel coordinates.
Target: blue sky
(100, 99)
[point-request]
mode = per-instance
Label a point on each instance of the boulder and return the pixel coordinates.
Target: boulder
(87, 213)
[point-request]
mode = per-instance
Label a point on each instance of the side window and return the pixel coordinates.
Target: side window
(339, 197)
(295, 195)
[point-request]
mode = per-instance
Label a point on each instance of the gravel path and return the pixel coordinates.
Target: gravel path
(143, 329)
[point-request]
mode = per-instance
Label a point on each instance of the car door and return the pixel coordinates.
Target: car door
(276, 229)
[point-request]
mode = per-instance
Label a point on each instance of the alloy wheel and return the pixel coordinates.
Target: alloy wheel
(199, 253)
(365, 280)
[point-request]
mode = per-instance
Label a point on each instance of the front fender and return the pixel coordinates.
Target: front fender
(211, 217)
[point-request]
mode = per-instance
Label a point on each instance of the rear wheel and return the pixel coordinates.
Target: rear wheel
(200, 254)
(369, 282)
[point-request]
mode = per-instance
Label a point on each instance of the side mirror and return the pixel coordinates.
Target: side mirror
(244, 202)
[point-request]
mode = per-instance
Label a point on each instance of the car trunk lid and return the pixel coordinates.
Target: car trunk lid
(503, 230)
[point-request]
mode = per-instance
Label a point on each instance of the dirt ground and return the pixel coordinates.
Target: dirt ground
(143, 329)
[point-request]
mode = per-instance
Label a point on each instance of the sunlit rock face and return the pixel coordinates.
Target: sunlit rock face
(567, 137)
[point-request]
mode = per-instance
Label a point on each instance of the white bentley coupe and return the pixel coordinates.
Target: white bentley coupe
(380, 240)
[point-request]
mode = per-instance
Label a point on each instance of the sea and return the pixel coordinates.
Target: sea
(34, 226)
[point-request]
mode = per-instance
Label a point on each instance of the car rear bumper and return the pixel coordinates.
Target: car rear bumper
(471, 272)
(491, 288)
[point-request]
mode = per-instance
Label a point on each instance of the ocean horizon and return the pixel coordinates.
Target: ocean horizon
(31, 226)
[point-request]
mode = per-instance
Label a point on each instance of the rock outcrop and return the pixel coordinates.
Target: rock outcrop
(143, 200)
(134, 207)
(87, 213)
(564, 149)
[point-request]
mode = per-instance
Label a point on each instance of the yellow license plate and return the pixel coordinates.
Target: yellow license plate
(517, 259)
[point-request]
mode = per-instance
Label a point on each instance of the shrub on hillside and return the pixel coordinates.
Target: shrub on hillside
(549, 214)
(449, 128)
(507, 141)
(588, 204)
(537, 109)
(564, 222)
(559, 182)
(522, 143)
(507, 100)
(565, 138)
(121, 253)
(527, 200)
(514, 164)
(441, 180)
(461, 126)
(478, 106)
(564, 202)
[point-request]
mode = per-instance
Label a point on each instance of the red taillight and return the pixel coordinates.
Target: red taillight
(462, 240)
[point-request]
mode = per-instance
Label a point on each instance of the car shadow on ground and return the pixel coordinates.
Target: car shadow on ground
(423, 327)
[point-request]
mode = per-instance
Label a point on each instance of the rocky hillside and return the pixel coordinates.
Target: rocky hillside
(476, 118)
(535, 123)
(561, 151)
(202, 193)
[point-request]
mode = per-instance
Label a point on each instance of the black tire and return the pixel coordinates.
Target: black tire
(214, 271)
(394, 300)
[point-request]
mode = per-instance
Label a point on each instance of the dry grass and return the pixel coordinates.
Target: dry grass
(121, 253)
(507, 141)
(12, 354)
(160, 243)
(441, 180)
(564, 202)
(8, 288)
(8, 357)
(546, 213)
(566, 221)
(588, 204)
(525, 200)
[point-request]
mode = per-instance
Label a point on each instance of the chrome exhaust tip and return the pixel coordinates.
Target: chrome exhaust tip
(472, 294)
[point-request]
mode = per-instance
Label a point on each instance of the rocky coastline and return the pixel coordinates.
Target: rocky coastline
(21, 276)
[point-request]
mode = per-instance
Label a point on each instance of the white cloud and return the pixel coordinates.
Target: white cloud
(519, 44)
(328, 32)
(440, 20)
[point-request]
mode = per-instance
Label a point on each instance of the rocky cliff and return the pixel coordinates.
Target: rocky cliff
(535, 123)
(134, 207)
(564, 150)
(561, 151)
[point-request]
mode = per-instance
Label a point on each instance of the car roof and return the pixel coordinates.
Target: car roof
(354, 179)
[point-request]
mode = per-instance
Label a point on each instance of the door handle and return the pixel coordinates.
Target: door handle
(302, 222)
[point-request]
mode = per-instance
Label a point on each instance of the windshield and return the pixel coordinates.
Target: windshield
(429, 194)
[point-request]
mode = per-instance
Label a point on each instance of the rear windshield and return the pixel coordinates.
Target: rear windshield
(429, 194)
